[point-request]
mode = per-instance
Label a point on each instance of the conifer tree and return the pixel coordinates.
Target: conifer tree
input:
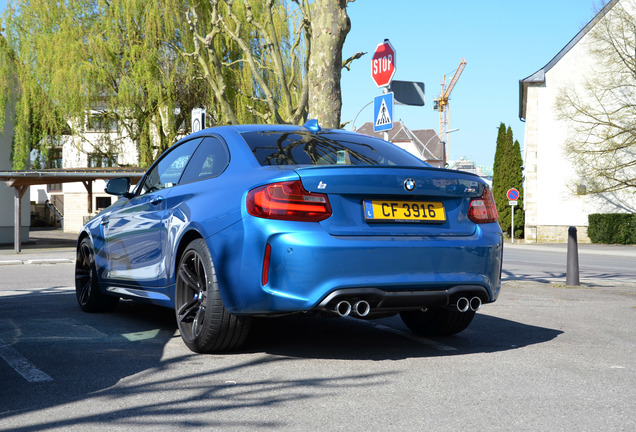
(498, 176)
(517, 179)
(507, 173)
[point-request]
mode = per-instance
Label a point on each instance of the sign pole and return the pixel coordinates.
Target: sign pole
(513, 196)
(512, 227)
(382, 72)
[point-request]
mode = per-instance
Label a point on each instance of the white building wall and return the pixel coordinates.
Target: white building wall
(75, 154)
(551, 181)
(556, 176)
(7, 193)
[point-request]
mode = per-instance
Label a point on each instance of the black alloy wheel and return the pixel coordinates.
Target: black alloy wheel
(205, 324)
(89, 297)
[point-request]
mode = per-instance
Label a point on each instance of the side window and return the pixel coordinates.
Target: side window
(169, 169)
(210, 160)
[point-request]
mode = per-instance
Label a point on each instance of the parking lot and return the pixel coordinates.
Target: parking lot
(543, 357)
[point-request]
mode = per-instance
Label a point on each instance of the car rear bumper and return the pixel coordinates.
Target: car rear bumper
(307, 267)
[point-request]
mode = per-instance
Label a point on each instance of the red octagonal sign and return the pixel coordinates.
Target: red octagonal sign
(383, 64)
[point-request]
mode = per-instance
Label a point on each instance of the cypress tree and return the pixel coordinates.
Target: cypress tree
(517, 179)
(507, 174)
(498, 177)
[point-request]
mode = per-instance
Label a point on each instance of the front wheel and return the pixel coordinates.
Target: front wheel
(437, 321)
(89, 297)
(204, 323)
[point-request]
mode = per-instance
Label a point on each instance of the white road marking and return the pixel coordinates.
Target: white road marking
(36, 291)
(21, 365)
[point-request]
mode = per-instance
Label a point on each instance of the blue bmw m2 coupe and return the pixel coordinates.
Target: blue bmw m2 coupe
(236, 222)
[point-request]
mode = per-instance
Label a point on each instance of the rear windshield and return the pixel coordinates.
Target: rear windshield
(325, 148)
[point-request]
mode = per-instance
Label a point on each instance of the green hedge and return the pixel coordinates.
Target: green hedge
(618, 228)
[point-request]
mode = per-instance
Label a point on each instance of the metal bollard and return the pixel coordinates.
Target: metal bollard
(572, 271)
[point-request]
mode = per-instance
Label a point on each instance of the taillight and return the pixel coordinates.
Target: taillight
(483, 209)
(288, 201)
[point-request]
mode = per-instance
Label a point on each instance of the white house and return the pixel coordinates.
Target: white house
(83, 152)
(423, 143)
(551, 180)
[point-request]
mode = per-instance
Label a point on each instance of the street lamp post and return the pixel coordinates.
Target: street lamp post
(444, 146)
(353, 124)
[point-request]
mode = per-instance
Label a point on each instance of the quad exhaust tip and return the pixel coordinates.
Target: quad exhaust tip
(463, 304)
(475, 304)
(360, 308)
(343, 308)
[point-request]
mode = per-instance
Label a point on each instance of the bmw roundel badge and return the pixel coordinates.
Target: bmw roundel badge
(409, 184)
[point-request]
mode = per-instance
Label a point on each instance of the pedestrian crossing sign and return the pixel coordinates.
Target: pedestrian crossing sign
(383, 112)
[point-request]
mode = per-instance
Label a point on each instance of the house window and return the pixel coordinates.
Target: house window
(99, 160)
(581, 189)
(100, 121)
(56, 187)
(54, 161)
(102, 202)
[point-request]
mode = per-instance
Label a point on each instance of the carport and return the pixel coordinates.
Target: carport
(21, 180)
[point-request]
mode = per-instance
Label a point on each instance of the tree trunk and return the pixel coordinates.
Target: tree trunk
(329, 27)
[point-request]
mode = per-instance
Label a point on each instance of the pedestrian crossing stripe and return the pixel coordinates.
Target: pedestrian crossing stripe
(384, 115)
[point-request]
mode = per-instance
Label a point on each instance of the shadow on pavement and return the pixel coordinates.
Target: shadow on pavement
(352, 339)
(121, 356)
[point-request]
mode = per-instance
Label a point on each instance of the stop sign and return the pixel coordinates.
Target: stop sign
(383, 64)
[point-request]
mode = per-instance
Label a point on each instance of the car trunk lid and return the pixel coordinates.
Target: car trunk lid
(383, 201)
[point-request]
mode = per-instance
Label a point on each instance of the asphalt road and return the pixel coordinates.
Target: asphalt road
(543, 357)
(598, 264)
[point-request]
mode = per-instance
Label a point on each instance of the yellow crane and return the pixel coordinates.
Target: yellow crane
(441, 104)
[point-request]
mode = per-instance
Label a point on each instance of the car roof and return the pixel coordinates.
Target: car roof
(238, 129)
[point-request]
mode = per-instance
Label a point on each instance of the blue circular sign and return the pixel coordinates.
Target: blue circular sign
(513, 194)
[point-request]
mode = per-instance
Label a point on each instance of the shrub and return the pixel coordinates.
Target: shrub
(616, 228)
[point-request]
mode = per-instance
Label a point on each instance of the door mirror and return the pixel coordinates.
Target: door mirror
(118, 186)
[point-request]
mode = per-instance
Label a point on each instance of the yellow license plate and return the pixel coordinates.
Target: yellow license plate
(404, 211)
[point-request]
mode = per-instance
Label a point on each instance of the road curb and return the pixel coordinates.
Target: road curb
(50, 261)
(36, 261)
(10, 262)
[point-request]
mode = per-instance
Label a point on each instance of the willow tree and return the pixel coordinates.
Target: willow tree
(7, 80)
(284, 57)
(140, 66)
(111, 59)
(601, 110)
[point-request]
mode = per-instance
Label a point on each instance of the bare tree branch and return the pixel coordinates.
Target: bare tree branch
(602, 111)
(347, 63)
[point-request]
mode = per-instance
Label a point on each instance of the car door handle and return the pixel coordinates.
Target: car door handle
(104, 222)
(156, 200)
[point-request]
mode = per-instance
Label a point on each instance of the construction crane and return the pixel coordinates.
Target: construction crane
(441, 104)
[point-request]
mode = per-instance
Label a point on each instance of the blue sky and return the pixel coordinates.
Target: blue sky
(502, 41)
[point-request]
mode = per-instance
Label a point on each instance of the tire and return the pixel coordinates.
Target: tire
(89, 297)
(205, 324)
(437, 321)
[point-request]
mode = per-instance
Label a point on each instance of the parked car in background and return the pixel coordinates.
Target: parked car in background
(236, 222)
